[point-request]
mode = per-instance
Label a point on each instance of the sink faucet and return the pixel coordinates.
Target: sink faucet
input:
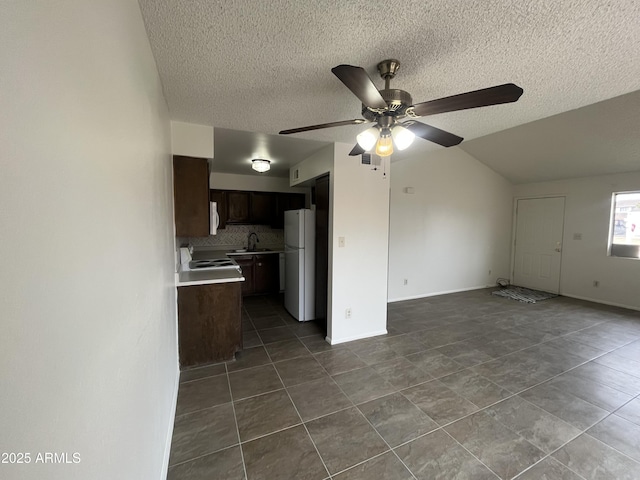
(257, 240)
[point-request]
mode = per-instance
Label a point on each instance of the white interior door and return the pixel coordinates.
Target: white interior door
(538, 249)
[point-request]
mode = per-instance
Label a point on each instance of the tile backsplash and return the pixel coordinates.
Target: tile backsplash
(236, 235)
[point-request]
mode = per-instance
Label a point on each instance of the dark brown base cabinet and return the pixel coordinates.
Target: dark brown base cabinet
(209, 323)
(266, 273)
(246, 264)
(261, 273)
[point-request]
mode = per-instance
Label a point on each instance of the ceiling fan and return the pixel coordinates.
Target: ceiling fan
(394, 113)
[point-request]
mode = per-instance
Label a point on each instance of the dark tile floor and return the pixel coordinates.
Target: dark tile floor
(464, 386)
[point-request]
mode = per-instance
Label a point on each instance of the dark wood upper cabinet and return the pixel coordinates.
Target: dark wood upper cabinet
(220, 197)
(284, 202)
(296, 201)
(238, 207)
(191, 196)
(263, 207)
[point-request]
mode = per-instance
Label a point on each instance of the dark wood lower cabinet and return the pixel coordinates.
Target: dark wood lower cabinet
(266, 273)
(246, 264)
(261, 273)
(209, 323)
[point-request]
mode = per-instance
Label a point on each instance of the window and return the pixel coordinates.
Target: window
(625, 225)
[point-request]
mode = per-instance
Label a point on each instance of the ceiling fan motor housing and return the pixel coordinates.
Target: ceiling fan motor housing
(397, 103)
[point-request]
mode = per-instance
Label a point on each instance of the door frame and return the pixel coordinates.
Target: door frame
(514, 226)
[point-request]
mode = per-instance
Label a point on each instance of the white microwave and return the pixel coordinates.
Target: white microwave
(214, 218)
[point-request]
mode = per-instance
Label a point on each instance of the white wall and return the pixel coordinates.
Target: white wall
(359, 212)
(454, 228)
(588, 211)
(191, 140)
(359, 269)
(317, 164)
(262, 183)
(88, 352)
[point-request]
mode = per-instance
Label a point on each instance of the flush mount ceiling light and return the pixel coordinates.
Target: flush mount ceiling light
(260, 165)
(394, 113)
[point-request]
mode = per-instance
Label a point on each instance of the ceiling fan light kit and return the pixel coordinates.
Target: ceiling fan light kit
(394, 113)
(402, 137)
(384, 145)
(260, 165)
(368, 138)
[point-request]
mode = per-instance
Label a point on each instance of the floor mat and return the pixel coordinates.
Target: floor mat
(523, 294)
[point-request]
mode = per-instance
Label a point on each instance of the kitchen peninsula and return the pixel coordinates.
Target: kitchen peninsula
(209, 314)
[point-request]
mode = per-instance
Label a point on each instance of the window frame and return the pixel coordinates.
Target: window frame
(620, 250)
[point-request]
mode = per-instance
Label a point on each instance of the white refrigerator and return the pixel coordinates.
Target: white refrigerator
(299, 263)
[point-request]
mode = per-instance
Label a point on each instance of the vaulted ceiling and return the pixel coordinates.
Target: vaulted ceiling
(265, 66)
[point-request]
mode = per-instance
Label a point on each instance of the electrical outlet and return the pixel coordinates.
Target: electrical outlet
(340, 241)
(406, 281)
(596, 283)
(347, 313)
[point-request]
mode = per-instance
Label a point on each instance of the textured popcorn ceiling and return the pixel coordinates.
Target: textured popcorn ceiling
(263, 66)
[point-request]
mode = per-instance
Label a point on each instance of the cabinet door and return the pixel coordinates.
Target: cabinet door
(209, 323)
(266, 273)
(263, 208)
(284, 202)
(246, 264)
(238, 207)
(281, 206)
(220, 197)
(296, 201)
(191, 196)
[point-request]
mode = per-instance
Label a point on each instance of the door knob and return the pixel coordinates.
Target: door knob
(558, 247)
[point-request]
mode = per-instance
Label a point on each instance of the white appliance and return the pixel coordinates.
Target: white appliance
(187, 263)
(299, 263)
(281, 259)
(214, 218)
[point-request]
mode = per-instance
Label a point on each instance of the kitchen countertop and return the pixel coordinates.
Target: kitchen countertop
(255, 252)
(204, 253)
(206, 277)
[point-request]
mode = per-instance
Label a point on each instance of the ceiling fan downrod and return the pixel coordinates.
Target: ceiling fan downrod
(388, 69)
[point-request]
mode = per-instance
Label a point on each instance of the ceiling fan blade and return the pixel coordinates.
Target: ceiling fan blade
(355, 121)
(432, 134)
(356, 150)
(506, 93)
(357, 80)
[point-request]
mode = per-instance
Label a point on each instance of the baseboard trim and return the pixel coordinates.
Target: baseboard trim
(603, 302)
(355, 337)
(435, 294)
(172, 419)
